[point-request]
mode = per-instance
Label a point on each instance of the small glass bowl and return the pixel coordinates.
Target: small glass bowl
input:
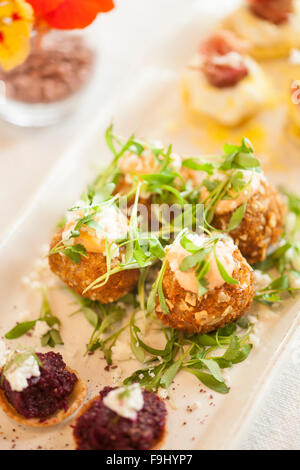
(45, 112)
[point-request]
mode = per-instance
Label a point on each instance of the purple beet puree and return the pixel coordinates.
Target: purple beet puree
(100, 428)
(45, 394)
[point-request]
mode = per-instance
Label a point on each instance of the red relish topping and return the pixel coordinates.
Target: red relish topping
(100, 428)
(275, 11)
(223, 75)
(47, 394)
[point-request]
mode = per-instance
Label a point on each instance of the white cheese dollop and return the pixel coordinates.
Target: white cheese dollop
(18, 374)
(40, 329)
(232, 59)
(125, 401)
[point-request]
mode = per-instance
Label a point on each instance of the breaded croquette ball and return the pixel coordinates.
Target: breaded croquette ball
(202, 304)
(113, 225)
(263, 220)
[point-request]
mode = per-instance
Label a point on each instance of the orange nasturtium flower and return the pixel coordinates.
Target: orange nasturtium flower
(16, 22)
(69, 14)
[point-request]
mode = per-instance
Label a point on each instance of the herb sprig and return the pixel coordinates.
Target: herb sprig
(196, 354)
(52, 337)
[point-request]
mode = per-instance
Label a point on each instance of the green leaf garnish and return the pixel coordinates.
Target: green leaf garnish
(20, 329)
(237, 217)
(224, 273)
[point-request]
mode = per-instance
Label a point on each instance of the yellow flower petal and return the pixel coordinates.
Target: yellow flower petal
(16, 22)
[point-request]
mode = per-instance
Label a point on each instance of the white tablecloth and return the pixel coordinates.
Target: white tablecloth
(27, 155)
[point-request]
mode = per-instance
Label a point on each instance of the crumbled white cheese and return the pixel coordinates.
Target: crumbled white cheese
(261, 280)
(18, 374)
(113, 223)
(125, 401)
(116, 375)
(121, 351)
(254, 340)
(162, 393)
(232, 59)
(40, 275)
(28, 281)
(252, 319)
(41, 265)
(40, 329)
(292, 255)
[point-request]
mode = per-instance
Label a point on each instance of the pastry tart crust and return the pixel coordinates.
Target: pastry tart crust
(75, 400)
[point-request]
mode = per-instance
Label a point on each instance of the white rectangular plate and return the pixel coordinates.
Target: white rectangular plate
(150, 105)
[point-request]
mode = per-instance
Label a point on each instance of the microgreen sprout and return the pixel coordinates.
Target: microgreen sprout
(52, 337)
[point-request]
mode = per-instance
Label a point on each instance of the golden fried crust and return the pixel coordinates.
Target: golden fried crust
(75, 400)
(214, 309)
(261, 226)
(80, 276)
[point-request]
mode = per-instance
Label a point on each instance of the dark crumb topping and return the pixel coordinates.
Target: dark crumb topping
(100, 428)
(46, 394)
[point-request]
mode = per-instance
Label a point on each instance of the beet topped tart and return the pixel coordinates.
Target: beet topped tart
(125, 418)
(39, 389)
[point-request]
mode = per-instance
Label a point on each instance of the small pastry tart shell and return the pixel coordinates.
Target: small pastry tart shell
(75, 400)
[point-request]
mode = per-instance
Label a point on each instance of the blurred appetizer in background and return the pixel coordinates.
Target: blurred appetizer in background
(223, 82)
(125, 418)
(272, 27)
(294, 108)
(38, 389)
